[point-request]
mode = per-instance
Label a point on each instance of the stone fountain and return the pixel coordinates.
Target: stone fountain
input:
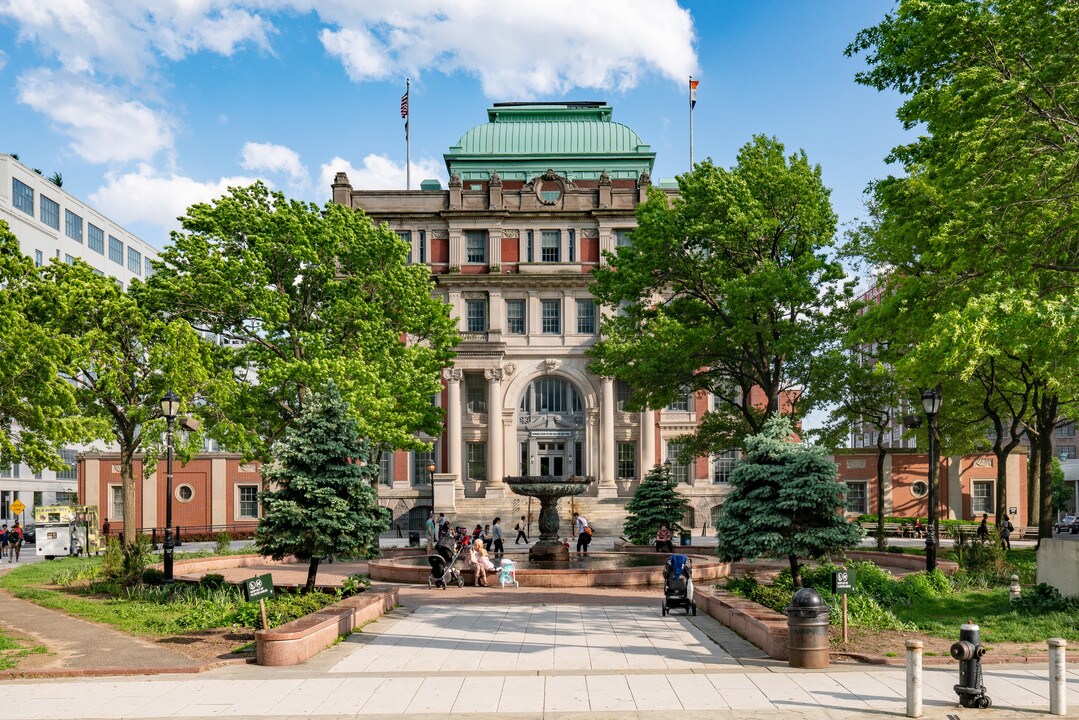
(548, 489)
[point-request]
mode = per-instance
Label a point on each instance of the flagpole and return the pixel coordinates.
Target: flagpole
(691, 123)
(408, 145)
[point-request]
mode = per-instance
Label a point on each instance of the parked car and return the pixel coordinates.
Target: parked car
(1075, 525)
(1065, 524)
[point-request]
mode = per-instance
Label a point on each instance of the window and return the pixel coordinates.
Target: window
(476, 315)
(423, 246)
(724, 464)
(1066, 452)
(73, 226)
(69, 259)
(550, 246)
(981, 497)
(622, 391)
(476, 457)
(475, 395)
(385, 468)
(919, 489)
(550, 395)
(476, 246)
(682, 404)
(39, 258)
(406, 236)
(573, 246)
(148, 267)
(515, 317)
(586, 317)
(1066, 431)
(627, 460)
(621, 238)
(116, 250)
(134, 260)
(69, 456)
(679, 470)
(23, 196)
(421, 460)
(50, 212)
(856, 498)
(95, 239)
(529, 244)
(116, 501)
(184, 493)
(248, 502)
(552, 316)
(7, 469)
(66, 498)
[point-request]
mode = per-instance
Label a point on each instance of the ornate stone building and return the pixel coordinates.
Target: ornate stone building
(536, 195)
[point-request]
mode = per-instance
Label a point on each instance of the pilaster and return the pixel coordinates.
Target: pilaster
(607, 485)
(495, 431)
(453, 422)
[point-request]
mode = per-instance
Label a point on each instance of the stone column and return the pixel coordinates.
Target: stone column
(606, 438)
(453, 421)
(496, 463)
(648, 442)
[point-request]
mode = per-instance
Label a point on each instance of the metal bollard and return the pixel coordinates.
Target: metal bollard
(1058, 688)
(914, 678)
(968, 651)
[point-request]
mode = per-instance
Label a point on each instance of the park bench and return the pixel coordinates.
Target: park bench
(891, 529)
(1028, 533)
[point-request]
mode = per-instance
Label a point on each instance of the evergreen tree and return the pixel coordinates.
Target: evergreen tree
(323, 502)
(656, 502)
(784, 500)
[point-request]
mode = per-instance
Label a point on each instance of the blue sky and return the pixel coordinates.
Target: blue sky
(145, 107)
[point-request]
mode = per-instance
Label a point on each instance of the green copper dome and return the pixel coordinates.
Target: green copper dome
(577, 140)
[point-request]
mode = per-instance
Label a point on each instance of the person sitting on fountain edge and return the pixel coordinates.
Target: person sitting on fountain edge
(663, 540)
(584, 532)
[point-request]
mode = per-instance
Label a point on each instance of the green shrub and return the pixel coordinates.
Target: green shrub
(153, 577)
(353, 585)
(212, 580)
(985, 559)
(1043, 599)
(112, 561)
(224, 544)
(136, 558)
(281, 608)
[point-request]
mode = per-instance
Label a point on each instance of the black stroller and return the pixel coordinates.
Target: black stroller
(678, 584)
(444, 563)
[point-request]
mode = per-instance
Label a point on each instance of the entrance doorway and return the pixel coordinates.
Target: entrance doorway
(552, 458)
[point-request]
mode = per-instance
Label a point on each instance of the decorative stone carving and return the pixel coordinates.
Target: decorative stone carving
(496, 179)
(474, 295)
(551, 364)
(452, 375)
(855, 463)
(589, 232)
(645, 179)
(604, 178)
(439, 234)
(248, 467)
(474, 418)
(510, 368)
(511, 234)
(455, 179)
(116, 469)
(983, 462)
(623, 418)
(493, 374)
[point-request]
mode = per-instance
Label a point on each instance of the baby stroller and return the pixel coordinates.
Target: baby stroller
(444, 564)
(678, 585)
(507, 573)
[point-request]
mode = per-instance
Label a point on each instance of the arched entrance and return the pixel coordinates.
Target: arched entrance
(551, 429)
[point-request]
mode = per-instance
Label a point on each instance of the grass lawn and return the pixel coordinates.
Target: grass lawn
(991, 610)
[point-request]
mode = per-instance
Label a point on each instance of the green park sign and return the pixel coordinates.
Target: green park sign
(259, 587)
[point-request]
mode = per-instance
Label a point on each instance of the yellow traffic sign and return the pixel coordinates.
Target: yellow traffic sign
(17, 507)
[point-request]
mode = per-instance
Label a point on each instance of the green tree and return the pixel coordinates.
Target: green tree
(322, 502)
(1062, 492)
(37, 406)
(656, 502)
(119, 360)
(727, 288)
(311, 294)
(785, 500)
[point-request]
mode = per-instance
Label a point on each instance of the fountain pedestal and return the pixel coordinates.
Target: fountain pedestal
(548, 490)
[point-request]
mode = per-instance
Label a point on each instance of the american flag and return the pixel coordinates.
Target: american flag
(404, 105)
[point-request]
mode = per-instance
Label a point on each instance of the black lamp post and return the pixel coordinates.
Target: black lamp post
(931, 405)
(170, 407)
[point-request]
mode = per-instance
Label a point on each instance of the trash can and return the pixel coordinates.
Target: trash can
(413, 538)
(807, 630)
(686, 538)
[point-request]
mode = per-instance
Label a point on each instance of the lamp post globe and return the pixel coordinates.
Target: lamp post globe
(170, 407)
(931, 404)
(431, 474)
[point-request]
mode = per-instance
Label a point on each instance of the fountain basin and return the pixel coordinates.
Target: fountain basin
(548, 489)
(599, 569)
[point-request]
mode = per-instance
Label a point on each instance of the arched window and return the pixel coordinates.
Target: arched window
(551, 395)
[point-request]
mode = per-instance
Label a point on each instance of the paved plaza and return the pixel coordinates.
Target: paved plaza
(521, 661)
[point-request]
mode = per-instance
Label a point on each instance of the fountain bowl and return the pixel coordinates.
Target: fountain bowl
(548, 489)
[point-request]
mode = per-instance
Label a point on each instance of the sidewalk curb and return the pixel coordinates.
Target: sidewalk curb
(121, 672)
(939, 659)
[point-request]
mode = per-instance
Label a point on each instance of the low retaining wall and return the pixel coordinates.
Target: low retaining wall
(298, 641)
(626, 547)
(1058, 565)
(900, 561)
(197, 566)
(762, 626)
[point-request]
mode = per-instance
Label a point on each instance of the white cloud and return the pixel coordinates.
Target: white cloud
(3, 60)
(378, 172)
(155, 199)
(276, 159)
(104, 127)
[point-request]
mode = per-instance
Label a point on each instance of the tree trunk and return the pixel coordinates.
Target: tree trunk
(1033, 479)
(1002, 486)
(796, 571)
(312, 572)
(880, 493)
(127, 480)
(1047, 419)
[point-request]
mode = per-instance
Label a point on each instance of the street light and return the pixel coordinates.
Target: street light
(170, 407)
(431, 475)
(931, 405)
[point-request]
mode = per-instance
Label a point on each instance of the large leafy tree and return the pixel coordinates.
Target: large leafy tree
(37, 406)
(785, 500)
(119, 360)
(309, 294)
(727, 288)
(655, 502)
(322, 502)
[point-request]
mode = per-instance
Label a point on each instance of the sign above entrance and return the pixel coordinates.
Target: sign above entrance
(551, 433)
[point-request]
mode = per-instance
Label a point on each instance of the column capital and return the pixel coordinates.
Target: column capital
(493, 375)
(606, 379)
(452, 375)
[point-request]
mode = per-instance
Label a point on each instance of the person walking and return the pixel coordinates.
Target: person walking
(15, 540)
(983, 529)
(105, 530)
(3, 542)
(429, 530)
(584, 533)
(443, 525)
(1006, 529)
(497, 546)
(520, 528)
